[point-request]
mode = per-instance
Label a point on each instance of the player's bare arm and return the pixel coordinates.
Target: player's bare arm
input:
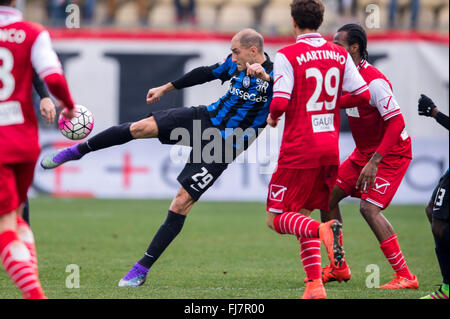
(368, 173)
(271, 121)
(48, 110)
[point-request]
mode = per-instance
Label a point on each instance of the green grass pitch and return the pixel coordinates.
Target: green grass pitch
(225, 250)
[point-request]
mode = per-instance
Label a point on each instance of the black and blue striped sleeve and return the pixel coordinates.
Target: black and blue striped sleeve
(205, 74)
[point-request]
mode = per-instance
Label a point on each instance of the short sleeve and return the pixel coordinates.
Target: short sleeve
(283, 77)
(353, 82)
(43, 57)
(383, 99)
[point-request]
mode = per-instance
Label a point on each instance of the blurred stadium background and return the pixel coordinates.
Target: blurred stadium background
(269, 16)
(123, 48)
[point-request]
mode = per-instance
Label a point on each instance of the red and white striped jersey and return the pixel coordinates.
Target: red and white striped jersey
(24, 46)
(367, 121)
(312, 74)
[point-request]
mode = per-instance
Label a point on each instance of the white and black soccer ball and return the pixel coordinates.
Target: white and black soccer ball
(80, 126)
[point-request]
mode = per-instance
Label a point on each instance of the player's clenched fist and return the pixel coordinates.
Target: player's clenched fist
(271, 121)
(258, 71)
(155, 94)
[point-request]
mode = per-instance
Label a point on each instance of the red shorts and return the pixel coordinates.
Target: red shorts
(15, 180)
(390, 173)
(291, 190)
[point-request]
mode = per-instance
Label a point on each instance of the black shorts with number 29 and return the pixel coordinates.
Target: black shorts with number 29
(440, 199)
(197, 175)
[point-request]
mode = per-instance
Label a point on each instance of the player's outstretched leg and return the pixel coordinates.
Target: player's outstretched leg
(59, 157)
(115, 135)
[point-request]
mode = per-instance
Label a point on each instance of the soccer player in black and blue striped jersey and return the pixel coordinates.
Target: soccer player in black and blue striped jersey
(234, 120)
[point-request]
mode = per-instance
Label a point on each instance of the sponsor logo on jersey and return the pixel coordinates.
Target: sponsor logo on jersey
(322, 123)
(247, 96)
(261, 85)
(11, 113)
(12, 35)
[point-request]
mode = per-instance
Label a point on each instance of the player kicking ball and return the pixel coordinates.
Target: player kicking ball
(375, 169)
(309, 77)
(244, 106)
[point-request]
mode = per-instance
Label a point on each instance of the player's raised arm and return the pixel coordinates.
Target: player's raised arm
(427, 107)
(197, 76)
(47, 65)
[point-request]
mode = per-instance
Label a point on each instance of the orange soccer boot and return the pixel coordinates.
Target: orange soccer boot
(330, 274)
(314, 289)
(400, 282)
(329, 234)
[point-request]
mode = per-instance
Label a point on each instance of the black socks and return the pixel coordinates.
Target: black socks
(115, 135)
(166, 233)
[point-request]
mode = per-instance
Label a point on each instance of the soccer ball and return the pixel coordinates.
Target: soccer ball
(79, 126)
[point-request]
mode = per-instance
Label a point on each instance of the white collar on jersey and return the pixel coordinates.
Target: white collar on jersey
(9, 15)
(308, 35)
(361, 64)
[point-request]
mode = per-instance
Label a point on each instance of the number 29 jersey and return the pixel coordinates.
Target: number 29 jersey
(311, 74)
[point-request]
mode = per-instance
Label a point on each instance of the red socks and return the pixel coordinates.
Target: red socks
(16, 260)
(391, 249)
(306, 231)
(296, 224)
(26, 236)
